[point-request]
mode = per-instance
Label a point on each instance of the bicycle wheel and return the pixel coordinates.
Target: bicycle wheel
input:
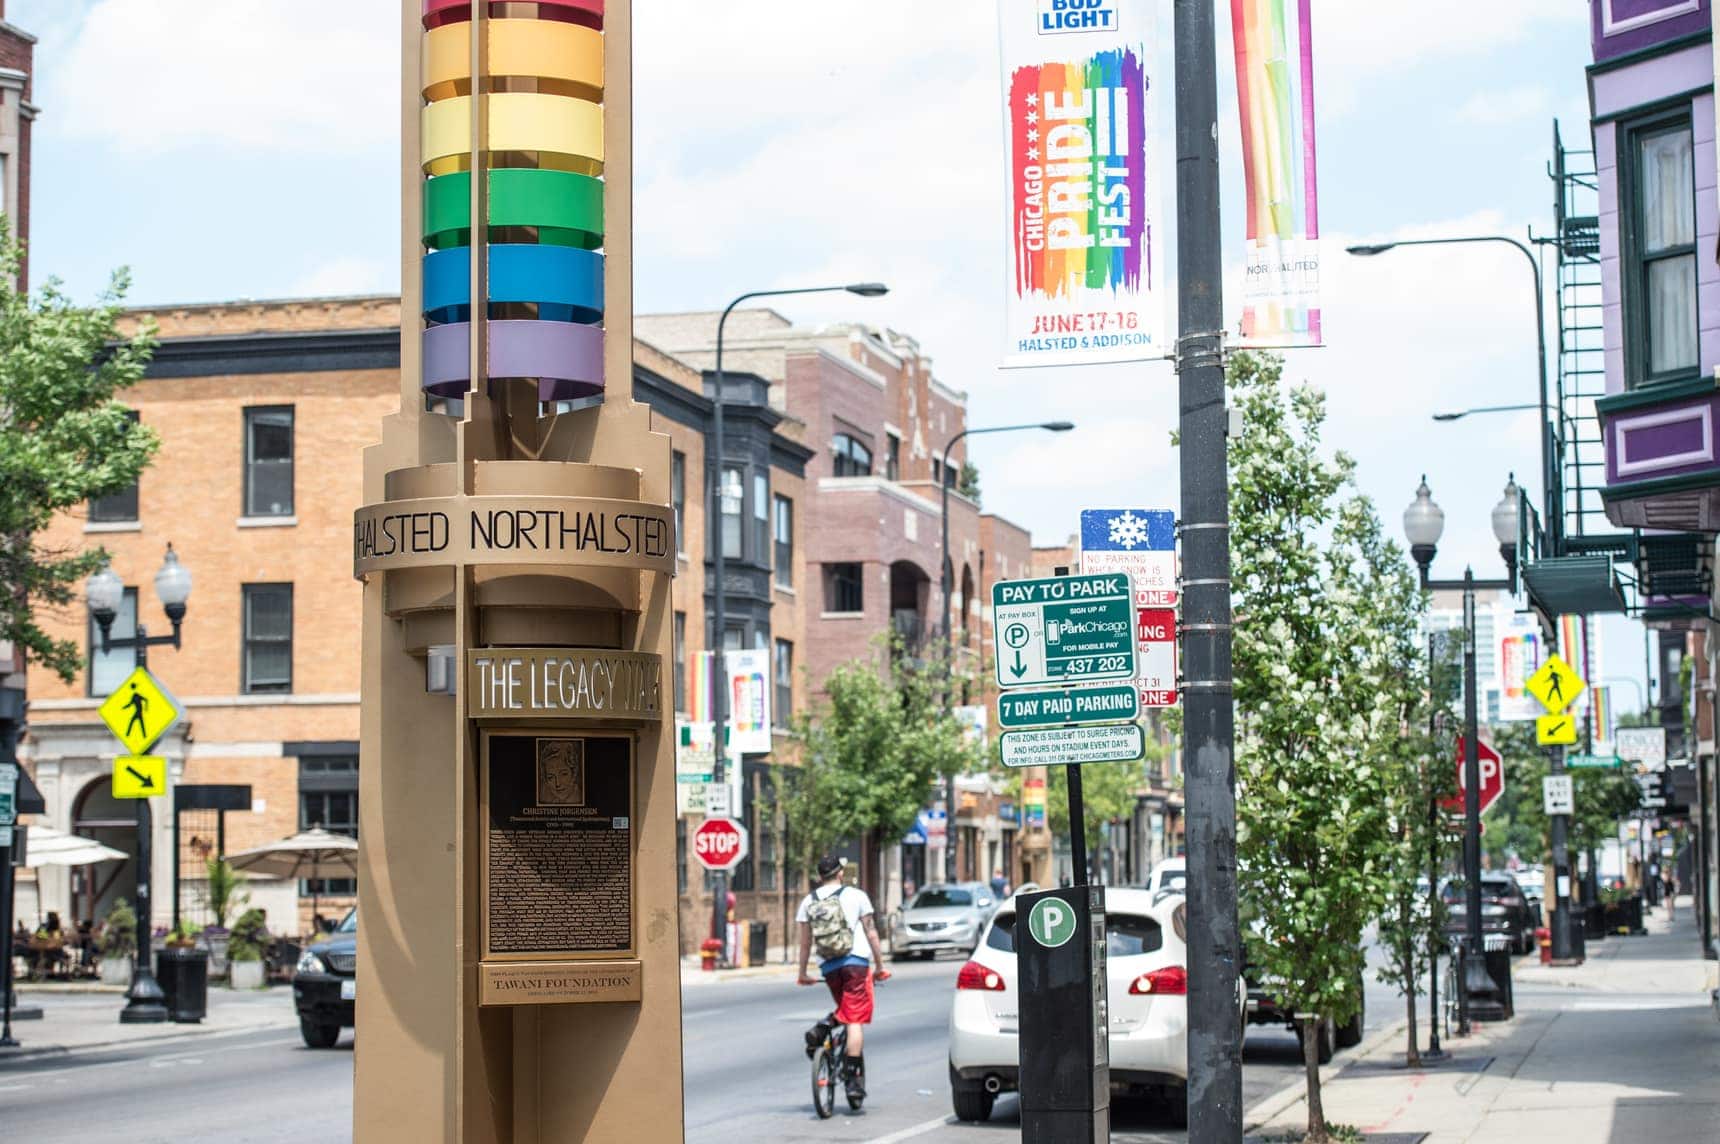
(824, 1082)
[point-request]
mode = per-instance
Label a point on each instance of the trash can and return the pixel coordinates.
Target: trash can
(1595, 921)
(1499, 969)
(183, 975)
(758, 941)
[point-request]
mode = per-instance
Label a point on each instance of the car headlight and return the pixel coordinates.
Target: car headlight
(309, 962)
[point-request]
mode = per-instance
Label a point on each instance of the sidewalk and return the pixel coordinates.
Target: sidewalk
(78, 1021)
(1623, 1049)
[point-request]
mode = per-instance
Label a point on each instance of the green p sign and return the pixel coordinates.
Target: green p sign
(1051, 922)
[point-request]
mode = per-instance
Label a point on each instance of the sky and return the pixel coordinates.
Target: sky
(249, 149)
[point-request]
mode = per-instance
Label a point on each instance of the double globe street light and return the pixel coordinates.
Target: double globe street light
(1423, 525)
(104, 592)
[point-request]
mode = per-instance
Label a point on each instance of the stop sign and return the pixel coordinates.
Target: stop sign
(1492, 777)
(720, 843)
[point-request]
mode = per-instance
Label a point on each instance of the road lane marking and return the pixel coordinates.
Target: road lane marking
(910, 1133)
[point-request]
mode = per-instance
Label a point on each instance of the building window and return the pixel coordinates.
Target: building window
(733, 496)
(843, 588)
(120, 506)
(681, 662)
(784, 682)
(892, 457)
(1662, 270)
(269, 461)
(853, 459)
(761, 518)
(678, 497)
(109, 669)
(268, 656)
(784, 555)
(328, 798)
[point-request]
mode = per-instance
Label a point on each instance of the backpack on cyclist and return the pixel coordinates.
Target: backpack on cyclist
(832, 933)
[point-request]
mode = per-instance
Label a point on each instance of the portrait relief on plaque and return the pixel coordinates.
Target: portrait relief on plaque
(561, 772)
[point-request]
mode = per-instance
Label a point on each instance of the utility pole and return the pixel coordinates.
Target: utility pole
(1214, 946)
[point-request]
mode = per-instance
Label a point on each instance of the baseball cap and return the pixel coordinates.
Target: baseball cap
(830, 865)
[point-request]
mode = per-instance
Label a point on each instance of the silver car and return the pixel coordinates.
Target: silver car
(942, 917)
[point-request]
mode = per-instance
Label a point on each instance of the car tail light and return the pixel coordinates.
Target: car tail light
(1171, 979)
(976, 976)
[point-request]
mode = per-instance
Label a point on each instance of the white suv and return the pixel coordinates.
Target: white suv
(1146, 993)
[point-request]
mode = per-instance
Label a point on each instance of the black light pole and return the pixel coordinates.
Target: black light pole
(1424, 523)
(1209, 724)
(104, 591)
(946, 580)
(1434, 721)
(719, 680)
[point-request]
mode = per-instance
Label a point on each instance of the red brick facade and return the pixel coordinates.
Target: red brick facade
(17, 62)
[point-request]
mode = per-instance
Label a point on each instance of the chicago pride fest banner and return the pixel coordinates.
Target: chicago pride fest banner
(1275, 92)
(1081, 283)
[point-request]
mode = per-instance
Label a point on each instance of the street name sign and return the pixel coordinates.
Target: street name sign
(1492, 778)
(1111, 704)
(139, 711)
(1073, 746)
(1582, 762)
(720, 843)
(1065, 629)
(1641, 744)
(1557, 795)
(139, 776)
(1558, 730)
(1555, 683)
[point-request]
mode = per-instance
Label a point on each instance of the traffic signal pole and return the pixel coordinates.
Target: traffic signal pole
(1209, 728)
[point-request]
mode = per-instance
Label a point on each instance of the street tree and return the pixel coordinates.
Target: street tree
(870, 748)
(64, 438)
(1326, 676)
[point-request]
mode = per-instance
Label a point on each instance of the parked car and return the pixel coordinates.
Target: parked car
(1146, 998)
(1171, 874)
(1506, 914)
(1264, 1008)
(323, 985)
(942, 917)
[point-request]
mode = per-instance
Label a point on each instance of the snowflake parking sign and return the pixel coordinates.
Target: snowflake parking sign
(1142, 543)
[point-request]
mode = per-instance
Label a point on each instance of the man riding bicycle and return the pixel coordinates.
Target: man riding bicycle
(838, 920)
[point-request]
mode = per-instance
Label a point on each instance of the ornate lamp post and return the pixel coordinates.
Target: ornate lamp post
(105, 592)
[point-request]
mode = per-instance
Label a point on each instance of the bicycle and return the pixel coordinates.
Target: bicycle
(827, 1070)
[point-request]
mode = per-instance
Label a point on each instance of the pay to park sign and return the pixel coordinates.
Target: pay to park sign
(1064, 629)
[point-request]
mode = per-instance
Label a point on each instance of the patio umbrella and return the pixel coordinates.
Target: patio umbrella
(314, 854)
(50, 847)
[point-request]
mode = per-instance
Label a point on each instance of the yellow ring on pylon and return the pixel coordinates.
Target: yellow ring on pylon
(570, 54)
(566, 133)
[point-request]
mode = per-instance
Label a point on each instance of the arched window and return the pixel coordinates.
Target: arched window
(853, 458)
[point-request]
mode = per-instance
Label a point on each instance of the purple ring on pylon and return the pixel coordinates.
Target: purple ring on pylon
(564, 358)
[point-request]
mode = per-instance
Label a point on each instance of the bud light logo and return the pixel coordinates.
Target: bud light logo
(1058, 16)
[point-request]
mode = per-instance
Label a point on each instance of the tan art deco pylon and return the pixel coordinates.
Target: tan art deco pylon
(518, 969)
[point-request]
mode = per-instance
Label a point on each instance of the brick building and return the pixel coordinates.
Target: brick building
(17, 115)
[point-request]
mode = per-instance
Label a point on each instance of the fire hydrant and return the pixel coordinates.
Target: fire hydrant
(1544, 939)
(709, 949)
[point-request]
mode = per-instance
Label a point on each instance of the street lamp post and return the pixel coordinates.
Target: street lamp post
(719, 701)
(1423, 524)
(945, 579)
(105, 592)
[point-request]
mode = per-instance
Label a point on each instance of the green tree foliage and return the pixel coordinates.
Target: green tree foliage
(64, 438)
(870, 749)
(1327, 679)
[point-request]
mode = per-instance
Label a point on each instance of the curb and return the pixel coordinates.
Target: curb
(44, 1051)
(1269, 1108)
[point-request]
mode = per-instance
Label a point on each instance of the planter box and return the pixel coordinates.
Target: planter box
(116, 970)
(245, 974)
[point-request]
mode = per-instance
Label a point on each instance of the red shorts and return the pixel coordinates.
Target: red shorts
(851, 985)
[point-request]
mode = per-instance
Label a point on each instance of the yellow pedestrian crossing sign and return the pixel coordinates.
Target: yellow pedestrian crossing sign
(139, 711)
(139, 776)
(1556, 684)
(1557, 730)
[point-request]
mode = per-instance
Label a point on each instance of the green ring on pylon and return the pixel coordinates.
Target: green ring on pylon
(566, 208)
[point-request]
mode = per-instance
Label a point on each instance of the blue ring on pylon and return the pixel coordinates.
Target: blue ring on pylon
(565, 283)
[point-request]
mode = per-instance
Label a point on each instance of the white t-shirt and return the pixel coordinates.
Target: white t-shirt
(855, 906)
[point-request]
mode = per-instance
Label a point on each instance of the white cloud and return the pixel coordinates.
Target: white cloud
(347, 275)
(258, 75)
(1513, 105)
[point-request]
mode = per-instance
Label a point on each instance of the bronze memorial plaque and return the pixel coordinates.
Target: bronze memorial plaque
(558, 848)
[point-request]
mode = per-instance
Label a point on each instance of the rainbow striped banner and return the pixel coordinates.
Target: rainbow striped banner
(1081, 285)
(1275, 92)
(1601, 715)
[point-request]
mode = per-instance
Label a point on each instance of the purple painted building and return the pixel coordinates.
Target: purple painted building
(1651, 94)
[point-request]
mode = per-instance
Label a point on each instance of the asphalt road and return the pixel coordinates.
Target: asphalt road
(746, 1076)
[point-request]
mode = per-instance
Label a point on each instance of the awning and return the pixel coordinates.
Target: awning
(1574, 585)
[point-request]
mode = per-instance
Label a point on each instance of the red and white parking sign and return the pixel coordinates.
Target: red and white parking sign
(1156, 653)
(720, 843)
